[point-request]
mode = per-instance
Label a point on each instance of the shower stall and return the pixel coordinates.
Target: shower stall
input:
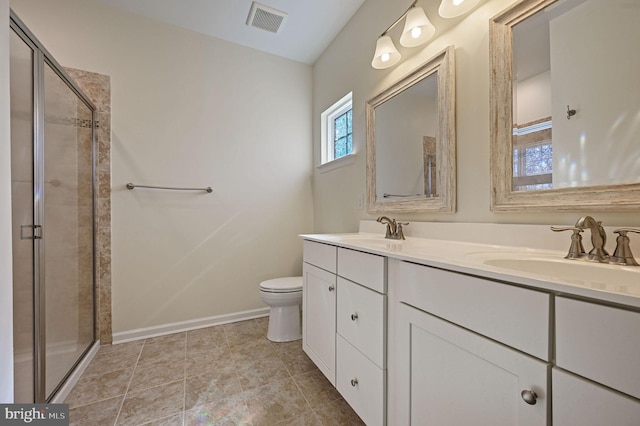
(52, 174)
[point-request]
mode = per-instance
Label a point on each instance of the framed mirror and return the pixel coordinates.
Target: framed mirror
(411, 143)
(565, 105)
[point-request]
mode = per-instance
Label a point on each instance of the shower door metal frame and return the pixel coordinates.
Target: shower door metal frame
(41, 56)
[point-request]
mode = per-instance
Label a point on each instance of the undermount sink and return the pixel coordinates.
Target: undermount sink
(580, 272)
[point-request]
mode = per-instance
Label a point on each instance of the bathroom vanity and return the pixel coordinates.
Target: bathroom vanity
(432, 332)
(344, 316)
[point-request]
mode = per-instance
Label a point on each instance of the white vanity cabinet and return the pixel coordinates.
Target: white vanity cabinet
(409, 337)
(344, 324)
(319, 291)
(601, 344)
(456, 361)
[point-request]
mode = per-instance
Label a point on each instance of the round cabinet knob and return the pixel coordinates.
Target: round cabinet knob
(354, 382)
(354, 316)
(331, 288)
(529, 397)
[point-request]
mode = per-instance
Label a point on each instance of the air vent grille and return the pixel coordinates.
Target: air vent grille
(265, 17)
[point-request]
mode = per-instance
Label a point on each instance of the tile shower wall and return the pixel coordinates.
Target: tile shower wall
(97, 87)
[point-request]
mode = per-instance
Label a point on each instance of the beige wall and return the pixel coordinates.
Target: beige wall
(191, 110)
(336, 192)
(6, 283)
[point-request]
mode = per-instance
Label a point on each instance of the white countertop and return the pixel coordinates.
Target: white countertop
(533, 268)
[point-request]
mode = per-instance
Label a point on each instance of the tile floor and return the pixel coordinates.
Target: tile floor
(224, 375)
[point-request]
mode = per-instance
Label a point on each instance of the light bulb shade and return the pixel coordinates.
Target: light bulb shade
(386, 54)
(417, 28)
(455, 8)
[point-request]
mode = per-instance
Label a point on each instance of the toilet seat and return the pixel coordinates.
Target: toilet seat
(282, 285)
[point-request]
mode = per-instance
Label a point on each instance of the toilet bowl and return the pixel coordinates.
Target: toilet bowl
(284, 296)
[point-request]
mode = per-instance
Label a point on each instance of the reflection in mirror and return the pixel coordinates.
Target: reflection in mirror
(406, 127)
(566, 105)
(411, 141)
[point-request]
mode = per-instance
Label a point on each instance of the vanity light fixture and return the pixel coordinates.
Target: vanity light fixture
(417, 30)
(386, 54)
(455, 8)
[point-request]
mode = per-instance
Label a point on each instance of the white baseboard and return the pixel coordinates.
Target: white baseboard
(73, 378)
(176, 327)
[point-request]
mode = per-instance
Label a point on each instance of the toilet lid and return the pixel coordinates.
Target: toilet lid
(282, 285)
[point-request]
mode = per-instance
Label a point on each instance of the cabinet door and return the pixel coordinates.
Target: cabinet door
(577, 401)
(319, 319)
(451, 376)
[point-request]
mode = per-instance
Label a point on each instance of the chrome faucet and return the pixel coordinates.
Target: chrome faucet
(394, 229)
(622, 254)
(598, 238)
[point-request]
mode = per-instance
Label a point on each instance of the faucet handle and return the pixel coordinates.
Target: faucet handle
(566, 228)
(623, 231)
(399, 231)
(622, 254)
(576, 249)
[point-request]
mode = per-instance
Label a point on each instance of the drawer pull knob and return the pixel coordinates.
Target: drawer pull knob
(529, 397)
(354, 382)
(331, 288)
(354, 316)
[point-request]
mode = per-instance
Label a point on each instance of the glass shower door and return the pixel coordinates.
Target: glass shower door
(52, 140)
(68, 228)
(22, 211)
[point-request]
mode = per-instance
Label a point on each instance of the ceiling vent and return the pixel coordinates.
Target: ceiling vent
(265, 17)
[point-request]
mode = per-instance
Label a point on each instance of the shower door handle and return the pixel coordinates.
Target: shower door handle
(36, 232)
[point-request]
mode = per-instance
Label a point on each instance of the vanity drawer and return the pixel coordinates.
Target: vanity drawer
(366, 269)
(321, 255)
(512, 315)
(361, 319)
(600, 343)
(361, 383)
(577, 401)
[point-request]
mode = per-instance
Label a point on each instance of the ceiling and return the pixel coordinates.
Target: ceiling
(305, 33)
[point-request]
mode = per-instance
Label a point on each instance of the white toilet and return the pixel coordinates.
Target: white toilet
(284, 296)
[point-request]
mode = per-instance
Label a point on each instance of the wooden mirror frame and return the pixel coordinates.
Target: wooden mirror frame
(444, 64)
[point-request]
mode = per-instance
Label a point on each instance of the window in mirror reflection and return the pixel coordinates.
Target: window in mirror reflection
(532, 156)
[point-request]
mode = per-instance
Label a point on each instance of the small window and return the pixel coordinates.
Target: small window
(337, 130)
(533, 156)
